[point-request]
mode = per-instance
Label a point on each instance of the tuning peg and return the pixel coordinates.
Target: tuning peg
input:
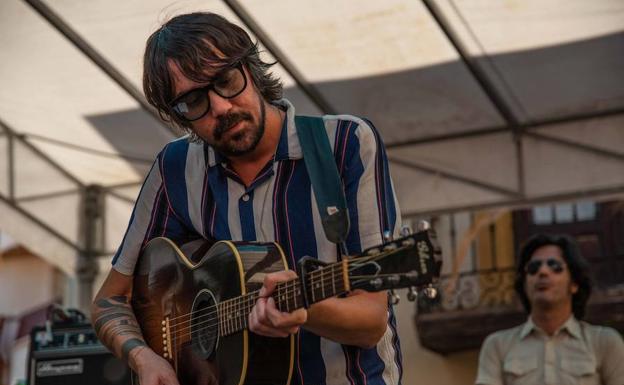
(406, 230)
(408, 241)
(412, 294)
(430, 291)
(411, 275)
(390, 246)
(387, 236)
(394, 297)
(376, 283)
(423, 225)
(393, 279)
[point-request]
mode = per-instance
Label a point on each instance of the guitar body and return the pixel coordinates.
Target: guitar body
(179, 298)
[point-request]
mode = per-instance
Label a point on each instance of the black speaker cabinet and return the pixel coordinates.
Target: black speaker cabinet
(72, 355)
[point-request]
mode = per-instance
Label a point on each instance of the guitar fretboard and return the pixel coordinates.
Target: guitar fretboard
(323, 283)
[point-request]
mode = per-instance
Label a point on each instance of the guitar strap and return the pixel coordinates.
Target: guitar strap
(321, 166)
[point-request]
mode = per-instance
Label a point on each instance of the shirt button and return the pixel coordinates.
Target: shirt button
(245, 197)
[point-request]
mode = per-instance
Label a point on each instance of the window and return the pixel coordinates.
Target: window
(564, 213)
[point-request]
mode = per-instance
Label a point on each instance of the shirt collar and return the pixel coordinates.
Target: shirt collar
(288, 146)
(527, 328)
(572, 326)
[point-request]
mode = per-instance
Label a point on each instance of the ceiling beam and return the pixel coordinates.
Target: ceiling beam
(512, 204)
(50, 195)
(450, 136)
(577, 146)
(527, 127)
(307, 88)
(455, 177)
(39, 223)
(120, 197)
(574, 118)
(88, 150)
(10, 162)
(479, 75)
(39, 153)
(81, 44)
(492, 93)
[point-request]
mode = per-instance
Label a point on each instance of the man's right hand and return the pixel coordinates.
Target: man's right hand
(117, 328)
(151, 368)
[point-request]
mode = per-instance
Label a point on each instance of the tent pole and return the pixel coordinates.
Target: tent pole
(92, 226)
(306, 87)
(57, 22)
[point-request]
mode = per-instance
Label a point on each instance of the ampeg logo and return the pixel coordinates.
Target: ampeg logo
(423, 255)
(59, 367)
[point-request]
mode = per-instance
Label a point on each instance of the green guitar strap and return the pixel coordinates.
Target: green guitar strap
(321, 166)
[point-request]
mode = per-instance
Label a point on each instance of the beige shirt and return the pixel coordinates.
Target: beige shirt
(578, 353)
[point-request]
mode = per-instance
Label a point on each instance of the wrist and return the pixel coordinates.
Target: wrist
(137, 357)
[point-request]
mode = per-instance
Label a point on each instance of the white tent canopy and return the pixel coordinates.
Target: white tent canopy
(481, 103)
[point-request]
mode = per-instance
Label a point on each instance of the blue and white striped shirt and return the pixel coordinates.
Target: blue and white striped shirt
(191, 193)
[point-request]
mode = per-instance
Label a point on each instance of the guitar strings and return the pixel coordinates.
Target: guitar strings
(312, 273)
(223, 324)
(235, 299)
(238, 323)
(195, 342)
(244, 302)
(245, 306)
(247, 301)
(358, 261)
(286, 289)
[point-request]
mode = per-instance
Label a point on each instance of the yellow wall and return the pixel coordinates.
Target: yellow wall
(422, 366)
(497, 239)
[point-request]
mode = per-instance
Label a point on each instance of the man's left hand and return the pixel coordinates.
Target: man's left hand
(265, 319)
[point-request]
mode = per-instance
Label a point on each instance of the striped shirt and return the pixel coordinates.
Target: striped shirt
(190, 192)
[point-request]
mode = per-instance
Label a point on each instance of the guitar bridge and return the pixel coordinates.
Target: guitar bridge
(166, 339)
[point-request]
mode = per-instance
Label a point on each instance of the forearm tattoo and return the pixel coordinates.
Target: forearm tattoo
(116, 326)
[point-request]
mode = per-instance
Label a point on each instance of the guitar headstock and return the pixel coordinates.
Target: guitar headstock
(414, 260)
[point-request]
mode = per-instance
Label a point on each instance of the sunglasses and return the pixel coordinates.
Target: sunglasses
(194, 104)
(553, 264)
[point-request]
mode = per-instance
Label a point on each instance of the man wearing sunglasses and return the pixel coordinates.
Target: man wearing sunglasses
(554, 346)
(239, 175)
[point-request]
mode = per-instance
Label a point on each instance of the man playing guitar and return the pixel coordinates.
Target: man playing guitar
(239, 175)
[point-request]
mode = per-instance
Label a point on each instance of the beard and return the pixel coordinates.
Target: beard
(244, 141)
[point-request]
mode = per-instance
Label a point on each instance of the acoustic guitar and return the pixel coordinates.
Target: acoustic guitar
(193, 301)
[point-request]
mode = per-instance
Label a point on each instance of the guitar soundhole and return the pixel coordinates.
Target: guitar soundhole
(204, 324)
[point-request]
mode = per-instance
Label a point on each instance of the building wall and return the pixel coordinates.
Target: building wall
(26, 282)
(422, 366)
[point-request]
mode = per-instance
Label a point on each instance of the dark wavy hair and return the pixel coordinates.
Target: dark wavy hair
(577, 265)
(192, 41)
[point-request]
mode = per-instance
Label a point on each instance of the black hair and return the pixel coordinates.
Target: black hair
(193, 41)
(577, 265)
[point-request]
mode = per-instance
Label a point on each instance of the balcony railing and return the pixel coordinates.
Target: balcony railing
(476, 290)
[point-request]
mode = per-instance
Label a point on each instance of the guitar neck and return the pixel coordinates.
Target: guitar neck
(320, 284)
(411, 261)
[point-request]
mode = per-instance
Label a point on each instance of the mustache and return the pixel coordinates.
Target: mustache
(226, 121)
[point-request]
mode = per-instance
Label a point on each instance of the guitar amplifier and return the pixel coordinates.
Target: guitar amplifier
(72, 355)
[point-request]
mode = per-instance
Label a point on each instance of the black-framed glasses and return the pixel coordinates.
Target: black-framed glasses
(555, 265)
(194, 104)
